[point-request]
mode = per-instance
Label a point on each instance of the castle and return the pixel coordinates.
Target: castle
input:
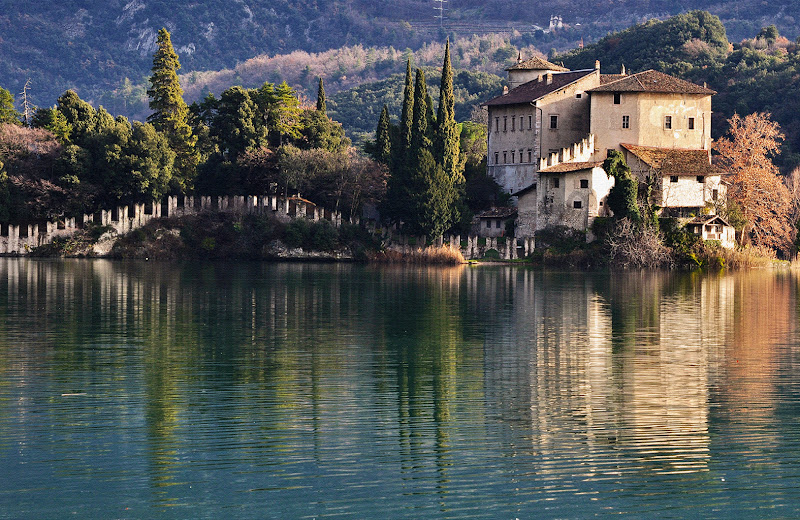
(549, 133)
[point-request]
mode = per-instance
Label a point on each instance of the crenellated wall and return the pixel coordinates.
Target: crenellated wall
(472, 246)
(20, 239)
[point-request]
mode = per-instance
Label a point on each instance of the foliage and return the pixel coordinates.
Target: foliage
(322, 105)
(170, 113)
(622, 199)
(754, 181)
(8, 114)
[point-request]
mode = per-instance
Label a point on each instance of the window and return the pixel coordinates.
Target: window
(691, 123)
(700, 178)
(553, 122)
(673, 178)
(584, 183)
(505, 123)
(529, 156)
(530, 122)
(496, 124)
(497, 223)
(626, 121)
(513, 123)
(512, 157)
(667, 122)
(714, 194)
(505, 158)
(576, 204)
(520, 123)
(578, 95)
(496, 157)
(608, 152)
(555, 182)
(488, 223)
(617, 98)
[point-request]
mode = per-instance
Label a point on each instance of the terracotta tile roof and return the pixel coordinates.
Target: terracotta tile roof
(572, 167)
(537, 63)
(674, 161)
(650, 81)
(533, 90)
(498, 213)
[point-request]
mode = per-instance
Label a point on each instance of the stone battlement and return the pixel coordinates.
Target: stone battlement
(20, 239)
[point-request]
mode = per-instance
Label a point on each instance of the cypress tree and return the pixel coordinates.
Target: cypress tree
(407, 114)
(321, 104)
(447, 138)
(170, 113)
(420, 139)
(383, 139)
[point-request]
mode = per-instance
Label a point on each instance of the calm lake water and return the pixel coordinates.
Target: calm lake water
(255, 390)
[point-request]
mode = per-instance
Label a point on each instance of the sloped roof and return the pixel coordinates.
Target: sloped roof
(674, 161)
(572, 167)
(504, 212)
(533, 90)
(650, 81)
(537, 63)
(707, 219)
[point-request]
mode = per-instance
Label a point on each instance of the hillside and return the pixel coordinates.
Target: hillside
(94, 46)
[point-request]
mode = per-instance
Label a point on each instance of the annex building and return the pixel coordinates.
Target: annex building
(550, 132)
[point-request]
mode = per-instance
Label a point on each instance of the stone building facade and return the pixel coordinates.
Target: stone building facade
(661, 124)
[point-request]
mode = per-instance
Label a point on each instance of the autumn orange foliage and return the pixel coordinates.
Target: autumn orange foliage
(755, 182)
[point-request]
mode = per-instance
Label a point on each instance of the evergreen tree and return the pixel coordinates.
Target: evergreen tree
(54, 121)
(406, 117)
(321, 104)
(170, 113)
(8, 114)
(420, 137)
(447, 136)
(284, 118)
(80, 115)
(383, 143)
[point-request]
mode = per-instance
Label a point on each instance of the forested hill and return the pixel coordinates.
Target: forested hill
(92, 46)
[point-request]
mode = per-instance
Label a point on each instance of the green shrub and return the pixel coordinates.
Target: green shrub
(324, 237)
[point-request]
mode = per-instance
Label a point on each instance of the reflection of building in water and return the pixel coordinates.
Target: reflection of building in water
(618, 369)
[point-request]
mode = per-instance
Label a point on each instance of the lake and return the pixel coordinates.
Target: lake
(299, 390)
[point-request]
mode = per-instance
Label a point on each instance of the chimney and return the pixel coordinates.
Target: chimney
(519, 57)
(597, 65)
(549, 77)
(622, 72)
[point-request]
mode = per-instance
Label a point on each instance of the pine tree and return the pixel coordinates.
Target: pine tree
(383, 139)
(8, 114)
(170, 113)
(321, 104)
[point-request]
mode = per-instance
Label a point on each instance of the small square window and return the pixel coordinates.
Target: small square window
(584, 183)
(555, 182)
(577, 204)
(617, 98)
(691, 123)
(626, 121)
(667, 122)
(700, 178)
(578, 95)
(673, 178)
(553, 122)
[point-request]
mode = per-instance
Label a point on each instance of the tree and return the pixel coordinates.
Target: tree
(623, 195)
(54, 121)
(447, 139)
(170, 113)
(8, 114)
(406, 118)
(745, 156)
(321, 104)
(284, 118)
(383, 138)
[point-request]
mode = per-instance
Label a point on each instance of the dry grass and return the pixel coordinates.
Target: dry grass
(444, 255)
(744, 258)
